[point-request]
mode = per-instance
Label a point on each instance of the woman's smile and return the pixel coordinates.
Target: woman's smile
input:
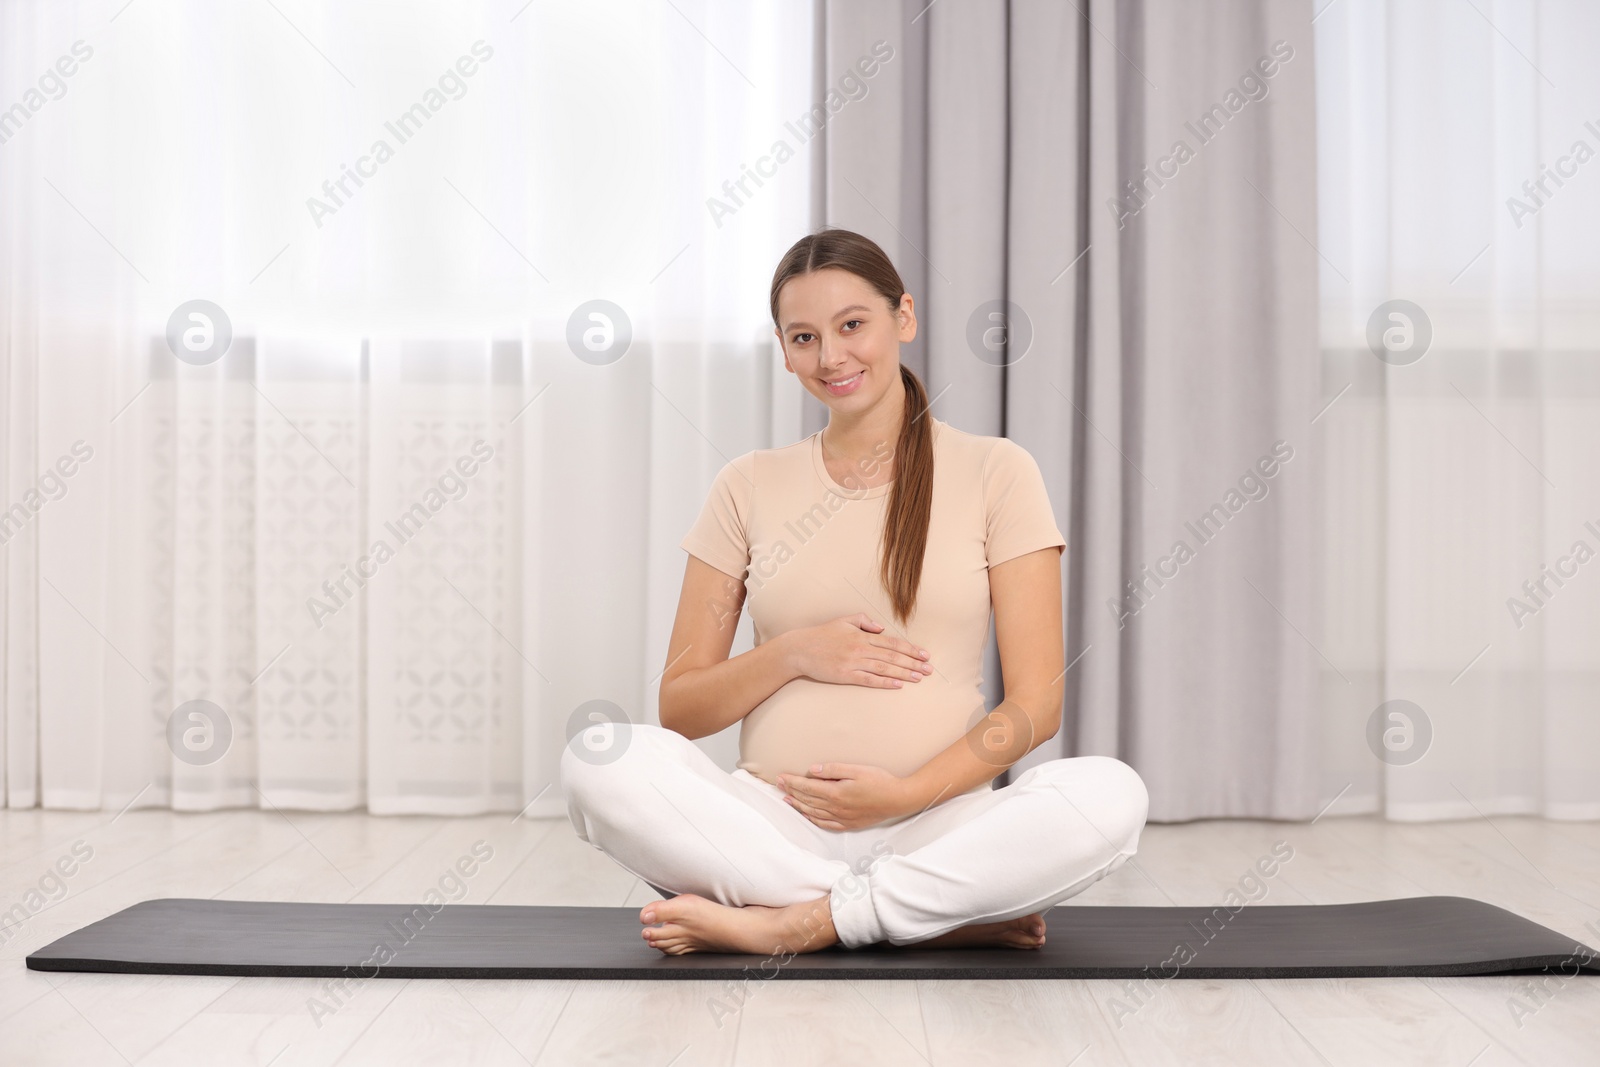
(845, 386)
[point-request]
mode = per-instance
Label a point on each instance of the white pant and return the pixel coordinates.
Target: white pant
(666, 813)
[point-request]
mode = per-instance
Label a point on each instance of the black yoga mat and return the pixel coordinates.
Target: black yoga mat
(1433, 936)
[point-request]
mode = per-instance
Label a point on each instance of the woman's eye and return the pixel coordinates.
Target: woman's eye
(799, 338)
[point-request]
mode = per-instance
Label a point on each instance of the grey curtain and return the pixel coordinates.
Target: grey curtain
(1158, 347)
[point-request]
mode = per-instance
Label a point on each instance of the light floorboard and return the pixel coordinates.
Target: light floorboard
(1546, 871)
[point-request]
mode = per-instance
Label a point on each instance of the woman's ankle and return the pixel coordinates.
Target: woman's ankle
(808, 926)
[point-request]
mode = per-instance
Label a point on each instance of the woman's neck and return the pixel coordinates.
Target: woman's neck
(856, 435)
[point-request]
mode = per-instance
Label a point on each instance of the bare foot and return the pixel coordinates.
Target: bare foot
(691, 923)
(1024, 932)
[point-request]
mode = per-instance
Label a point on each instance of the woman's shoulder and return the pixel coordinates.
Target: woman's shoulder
(984, 450)
(766, 460)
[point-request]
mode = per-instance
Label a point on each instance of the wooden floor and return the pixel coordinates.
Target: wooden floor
(1549, 872)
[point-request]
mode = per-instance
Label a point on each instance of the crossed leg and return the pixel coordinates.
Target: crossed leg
(752, 874)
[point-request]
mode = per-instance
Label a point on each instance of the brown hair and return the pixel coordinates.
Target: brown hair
(905, 525)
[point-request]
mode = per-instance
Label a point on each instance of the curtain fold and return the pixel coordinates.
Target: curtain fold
(1157, 314)
(425, 505)
(1458, 350)
(425, 509)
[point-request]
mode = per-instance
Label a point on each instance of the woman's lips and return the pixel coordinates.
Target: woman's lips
(850, 385)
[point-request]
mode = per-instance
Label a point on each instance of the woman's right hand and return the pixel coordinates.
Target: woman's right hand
(854, 650)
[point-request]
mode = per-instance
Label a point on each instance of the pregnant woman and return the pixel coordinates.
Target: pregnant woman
(870, 555)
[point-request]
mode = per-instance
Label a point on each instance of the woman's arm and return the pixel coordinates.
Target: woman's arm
(1026, 592)
(702, 690)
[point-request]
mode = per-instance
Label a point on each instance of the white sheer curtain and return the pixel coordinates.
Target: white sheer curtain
(1453, 479)
(404, 368)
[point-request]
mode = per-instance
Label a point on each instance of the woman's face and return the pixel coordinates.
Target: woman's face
(834, 327)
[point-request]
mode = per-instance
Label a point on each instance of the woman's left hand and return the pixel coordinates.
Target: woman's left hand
(847, 796)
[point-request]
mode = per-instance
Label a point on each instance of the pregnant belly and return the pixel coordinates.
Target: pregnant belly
(808, 722)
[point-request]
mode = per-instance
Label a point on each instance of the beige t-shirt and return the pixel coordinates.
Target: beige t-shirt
(807, 550)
